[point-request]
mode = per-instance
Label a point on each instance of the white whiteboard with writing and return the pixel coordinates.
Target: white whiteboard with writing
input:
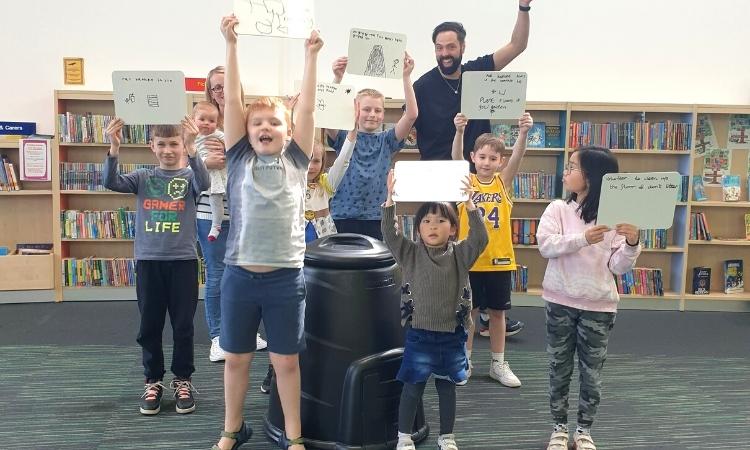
(430, 181)
(646, 200)
(376, 53)
(334, 106)
(149, 97)
(277, 18)
(493, 95)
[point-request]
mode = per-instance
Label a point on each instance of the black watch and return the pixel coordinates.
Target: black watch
(524, 8)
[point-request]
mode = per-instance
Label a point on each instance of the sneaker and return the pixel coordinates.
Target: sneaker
(151, 398)
(265, 386)
(513, 327)
(503, 374)
(558, 441)
(405, 444)
(447, 442)
(583, 441)
(484, 324)
(216, 353)
(260, 343)
(183, 395)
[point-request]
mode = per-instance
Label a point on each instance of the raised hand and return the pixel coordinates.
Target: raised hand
(314, 43)
(595, 234)
(339, 67)
(524, 2)
(114, 131)
(468, 189)
(525, 123)
(227, 28)
(408, 64)
(189, 132)
(391, 183)
(629, 231)
(460, 122)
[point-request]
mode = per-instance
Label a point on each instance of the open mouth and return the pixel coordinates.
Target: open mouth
(265, 139)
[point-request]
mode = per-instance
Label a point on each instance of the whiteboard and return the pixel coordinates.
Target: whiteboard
(334, 106)
(277, 18)
(376, 53)
(493, 95)
(149, 97)
(646, 200)
(430, 181)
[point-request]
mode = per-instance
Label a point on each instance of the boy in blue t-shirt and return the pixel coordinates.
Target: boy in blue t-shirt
(165, 252)
(355, 207)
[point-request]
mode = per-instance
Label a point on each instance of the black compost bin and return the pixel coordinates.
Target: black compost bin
(355, 342)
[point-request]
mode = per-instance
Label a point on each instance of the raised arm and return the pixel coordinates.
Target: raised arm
(304, 128)
(339, 67)
(460, 122)
(234, 110)
(519, 149)
(112, 179)
(404, 124)
(399, 245)
(201, 181)
(339, 166)
(518, 40)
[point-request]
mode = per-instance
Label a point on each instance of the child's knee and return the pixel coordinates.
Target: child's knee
(285, 364)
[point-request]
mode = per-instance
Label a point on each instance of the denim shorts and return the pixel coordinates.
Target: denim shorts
(434, 353)
(278, 298)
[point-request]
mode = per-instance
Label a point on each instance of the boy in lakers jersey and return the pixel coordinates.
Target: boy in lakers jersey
(490, 277)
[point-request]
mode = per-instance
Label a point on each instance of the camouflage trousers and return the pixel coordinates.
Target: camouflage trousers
(571, 331)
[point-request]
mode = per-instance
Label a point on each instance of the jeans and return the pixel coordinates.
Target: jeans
(213, 254)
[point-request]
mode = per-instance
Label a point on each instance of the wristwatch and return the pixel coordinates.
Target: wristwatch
(524, 8)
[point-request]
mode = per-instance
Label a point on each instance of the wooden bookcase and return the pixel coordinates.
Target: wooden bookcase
(33, 214)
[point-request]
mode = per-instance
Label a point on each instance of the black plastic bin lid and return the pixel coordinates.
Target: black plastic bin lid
(348, 251)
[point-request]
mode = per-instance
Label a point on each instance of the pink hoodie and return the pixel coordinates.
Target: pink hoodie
(579, 275)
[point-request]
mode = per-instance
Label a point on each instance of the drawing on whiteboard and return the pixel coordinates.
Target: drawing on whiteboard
(375, 62)
(321, 104)
(272, 18)
(394, 67)
(152, 100)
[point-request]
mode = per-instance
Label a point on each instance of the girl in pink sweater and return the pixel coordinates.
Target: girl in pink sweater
(579, 289)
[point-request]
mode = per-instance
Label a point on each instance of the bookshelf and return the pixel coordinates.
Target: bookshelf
(37, 207)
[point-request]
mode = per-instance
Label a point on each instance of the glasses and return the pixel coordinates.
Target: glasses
(217, 89)
(571, 167)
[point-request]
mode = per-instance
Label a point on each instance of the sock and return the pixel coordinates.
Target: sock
(498, 357)
(404, 437)
(560, 427)
(582, 430)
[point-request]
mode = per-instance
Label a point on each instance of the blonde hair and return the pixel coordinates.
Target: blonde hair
(210, 98)
(494, 142)
(273, 103)
(374, 93)
(206, 106)
(317, 145)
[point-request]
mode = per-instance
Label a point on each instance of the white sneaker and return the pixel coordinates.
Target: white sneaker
(503, 374)
(447, 442)
(558, 441)
(405, 444)
(583, 441)
(216, 353)
(260, 343)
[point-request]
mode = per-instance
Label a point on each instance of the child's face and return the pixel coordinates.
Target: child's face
(371, 113)
(268, 130)
(573, 178)
(435, 230)
(206, 120)
(487, 162)
(316, 163)
(169, 151)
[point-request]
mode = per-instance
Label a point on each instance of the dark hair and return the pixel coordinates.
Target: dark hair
(456, 27)
(595, 162)
(442, 209)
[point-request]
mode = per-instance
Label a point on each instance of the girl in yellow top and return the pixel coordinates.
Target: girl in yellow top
(490, 277)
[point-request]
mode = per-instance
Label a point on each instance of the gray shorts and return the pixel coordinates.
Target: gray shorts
(278, 298)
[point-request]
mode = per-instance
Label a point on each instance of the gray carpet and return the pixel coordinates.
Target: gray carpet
(71, 378)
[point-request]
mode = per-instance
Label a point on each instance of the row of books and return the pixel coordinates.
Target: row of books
(8, 177)
(119, 224)
(640, 281)
(654, 238)
(632, 135)
(534, 185)
(699, 227)
(107, 272)
(519, 282)
(90, 176)
(90, 128)
(682, 194)
(524, 231)
(733, 278)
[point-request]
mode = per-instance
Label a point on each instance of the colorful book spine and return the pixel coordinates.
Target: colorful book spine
(699, 227)
(653, 238)
(118, 224)
(642, 135)
(106, 272)
(523, 231)
(90, 176)
(534, 185)
(90, 128)
(641, 281)
(519, 282)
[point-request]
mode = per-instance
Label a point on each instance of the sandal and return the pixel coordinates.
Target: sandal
(240, 437)
(285, 442)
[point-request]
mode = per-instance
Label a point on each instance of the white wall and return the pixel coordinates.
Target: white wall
(676, 51)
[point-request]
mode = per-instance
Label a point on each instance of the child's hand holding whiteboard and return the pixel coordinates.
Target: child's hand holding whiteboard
(428, 181)
(646, 200)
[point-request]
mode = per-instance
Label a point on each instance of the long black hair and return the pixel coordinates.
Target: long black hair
(595, 162)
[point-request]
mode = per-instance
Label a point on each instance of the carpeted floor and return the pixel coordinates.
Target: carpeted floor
(70, 378)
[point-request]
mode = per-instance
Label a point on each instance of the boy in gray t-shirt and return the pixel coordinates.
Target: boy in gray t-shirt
(165, 253)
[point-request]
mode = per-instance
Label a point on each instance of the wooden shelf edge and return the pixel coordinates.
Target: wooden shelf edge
(84, 192)
(95, 240)
(737, 243)
(26, 192)
(741, 297)
(719, 204)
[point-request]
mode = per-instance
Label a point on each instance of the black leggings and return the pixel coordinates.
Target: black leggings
(412, 394)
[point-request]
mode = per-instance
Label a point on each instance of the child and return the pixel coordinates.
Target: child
(165, 253)
(206, 116)
(436, 302)
(580, 290)
(356, 206)
(321, 186)
(263, 279)
(490, 276)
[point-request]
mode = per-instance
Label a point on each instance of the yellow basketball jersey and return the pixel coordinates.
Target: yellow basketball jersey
(495, 204)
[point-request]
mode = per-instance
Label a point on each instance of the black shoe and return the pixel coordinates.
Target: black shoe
(151, 398)
(183, 395)
(265, 386)
(513, 327)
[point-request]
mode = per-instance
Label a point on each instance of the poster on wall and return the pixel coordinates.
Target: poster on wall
(716, 163)
(739, 132)
(35, 160)
(705, 137)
